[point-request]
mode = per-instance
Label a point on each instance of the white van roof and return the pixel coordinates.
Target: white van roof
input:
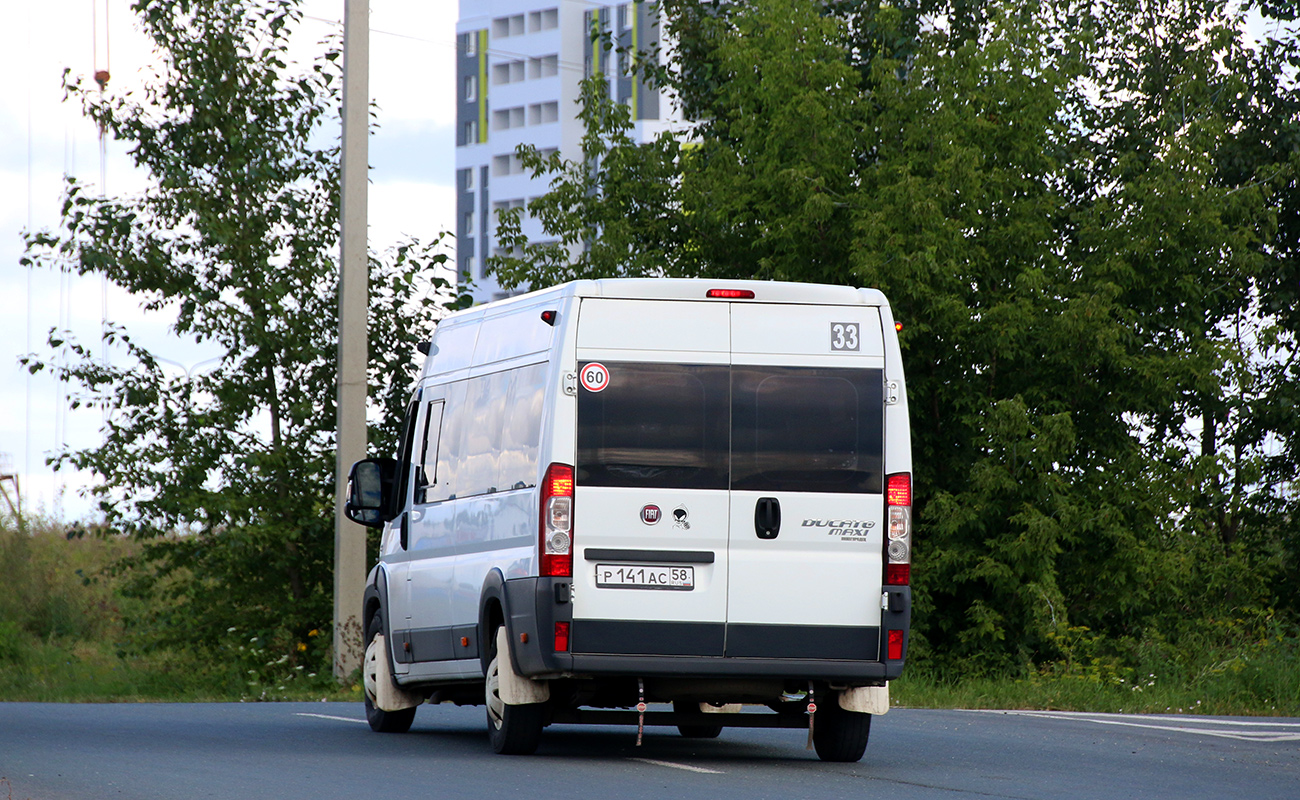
(691, 289)
(459, 332)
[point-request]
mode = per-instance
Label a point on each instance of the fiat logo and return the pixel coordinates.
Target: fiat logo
(651, 514)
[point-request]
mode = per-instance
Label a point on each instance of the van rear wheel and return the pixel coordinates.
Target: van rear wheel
(695, 731)
(840, 735)
(513, 730)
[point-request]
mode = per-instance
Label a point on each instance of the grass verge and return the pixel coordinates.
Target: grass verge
(1261, 680)
(63, 622)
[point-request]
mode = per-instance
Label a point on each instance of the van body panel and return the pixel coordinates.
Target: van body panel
(822, 365)
(654, 326)
(770, 329)
(810, 574)
(611, 519)
(427, 568)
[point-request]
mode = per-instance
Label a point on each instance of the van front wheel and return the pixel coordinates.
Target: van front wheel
(380, 721)
(513, 730)
(840, 735)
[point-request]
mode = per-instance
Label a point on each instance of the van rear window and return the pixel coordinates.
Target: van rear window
(807, 429)
(753, 428)
(655, 425)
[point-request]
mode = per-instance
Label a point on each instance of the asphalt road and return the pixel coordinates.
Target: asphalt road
(319, 750)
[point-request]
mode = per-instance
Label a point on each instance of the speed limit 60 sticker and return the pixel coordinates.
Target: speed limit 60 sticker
(594, 377)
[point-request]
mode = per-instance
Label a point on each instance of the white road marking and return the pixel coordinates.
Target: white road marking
(686, 767)
(329, 716)
(1281, 731)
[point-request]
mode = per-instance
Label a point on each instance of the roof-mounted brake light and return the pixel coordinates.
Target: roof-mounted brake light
(732, 294)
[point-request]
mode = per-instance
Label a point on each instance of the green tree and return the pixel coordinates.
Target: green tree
(229, 473)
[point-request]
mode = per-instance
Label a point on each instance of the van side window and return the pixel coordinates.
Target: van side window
(491, 431)
(483, 412)
(521, 432)
(450, 446)
(404, 457)
(655, 426)
(426, 465)
(807, 429)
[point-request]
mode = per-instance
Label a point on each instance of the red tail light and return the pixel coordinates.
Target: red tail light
(895, 650)
(898, 490)
(561, 637)
(556, 526)
(898, 544)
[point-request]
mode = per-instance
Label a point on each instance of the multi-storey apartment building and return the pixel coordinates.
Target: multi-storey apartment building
(518, 68)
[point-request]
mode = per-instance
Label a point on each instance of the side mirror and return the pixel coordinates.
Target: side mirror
(371, 484)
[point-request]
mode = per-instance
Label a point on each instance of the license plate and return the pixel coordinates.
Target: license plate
(625, 576)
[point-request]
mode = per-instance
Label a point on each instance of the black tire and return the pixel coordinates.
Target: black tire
(839, 735)
(382, 721)
(695, 731)
(513, 730)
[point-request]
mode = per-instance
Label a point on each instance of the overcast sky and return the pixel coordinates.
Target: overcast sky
(43, 138)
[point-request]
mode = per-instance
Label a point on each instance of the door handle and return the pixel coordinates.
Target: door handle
(767, 517)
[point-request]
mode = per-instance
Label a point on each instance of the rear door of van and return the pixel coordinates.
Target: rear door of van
(651, 503)
(807, 460)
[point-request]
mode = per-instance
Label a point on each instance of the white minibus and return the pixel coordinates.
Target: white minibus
(610, 494)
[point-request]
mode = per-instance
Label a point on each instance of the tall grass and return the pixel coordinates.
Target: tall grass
(65, 629)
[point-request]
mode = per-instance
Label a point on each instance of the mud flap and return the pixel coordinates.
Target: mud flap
(516, 690)
(388, 696)
(866, 699)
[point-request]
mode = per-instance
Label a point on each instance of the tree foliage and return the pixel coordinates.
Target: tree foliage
(1086, 218)
(229, 472)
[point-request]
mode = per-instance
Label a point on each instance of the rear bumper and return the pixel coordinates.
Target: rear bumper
(689, 667)
(687, 649)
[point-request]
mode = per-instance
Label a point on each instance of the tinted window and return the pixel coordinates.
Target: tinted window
(404, 454)
(521, 432)
(451, 445)
(490, 435)
(801, 429)
(483, 412)
(426, 465)
(655, 425)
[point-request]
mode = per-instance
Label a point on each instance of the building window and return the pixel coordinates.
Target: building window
(508, 26)
(469, 223)
(471, 132)
(543, 20)
(506, 164)
(471, 44)
(543, 67)
(471, 88)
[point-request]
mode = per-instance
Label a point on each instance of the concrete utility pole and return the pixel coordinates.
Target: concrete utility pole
(350, 538)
